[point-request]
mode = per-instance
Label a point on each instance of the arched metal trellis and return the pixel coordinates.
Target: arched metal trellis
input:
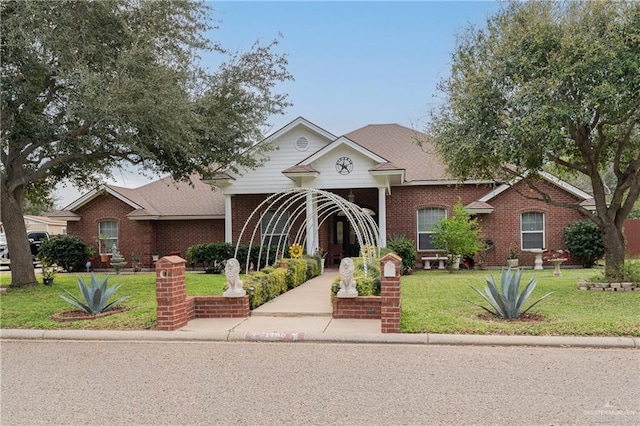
(302, 207)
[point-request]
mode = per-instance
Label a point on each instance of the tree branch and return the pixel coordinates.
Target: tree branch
(546, 198)
(568, 165)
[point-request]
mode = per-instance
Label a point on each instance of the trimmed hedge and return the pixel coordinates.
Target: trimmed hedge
(271, 282)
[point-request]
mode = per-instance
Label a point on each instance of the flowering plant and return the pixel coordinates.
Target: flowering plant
(367, 250)
(295, 251)
(548, 255)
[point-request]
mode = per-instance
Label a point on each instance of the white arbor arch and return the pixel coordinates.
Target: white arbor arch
(304, 210)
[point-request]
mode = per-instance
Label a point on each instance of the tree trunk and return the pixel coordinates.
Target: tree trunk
(22, 273)
(614, 248)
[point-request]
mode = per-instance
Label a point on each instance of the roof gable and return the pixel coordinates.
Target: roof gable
(578, 193)
(163, 198)
(340, 142)
(300, 121)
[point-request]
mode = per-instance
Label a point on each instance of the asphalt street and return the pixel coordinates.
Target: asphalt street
(261, 383)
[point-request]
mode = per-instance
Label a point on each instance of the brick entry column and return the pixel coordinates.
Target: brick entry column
(391, 308)
(171, 293)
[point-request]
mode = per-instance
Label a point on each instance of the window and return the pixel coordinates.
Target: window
(532, 231)
(274, 227)
(109, 230)
(427, 218)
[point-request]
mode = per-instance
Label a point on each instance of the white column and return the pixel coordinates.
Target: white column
(382, 216)
(312, 224)
(228, 224)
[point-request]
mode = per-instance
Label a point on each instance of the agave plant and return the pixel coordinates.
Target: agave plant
(96, 296)
(507, 301)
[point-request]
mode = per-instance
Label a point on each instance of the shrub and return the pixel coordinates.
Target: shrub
(66, 251)
(459, 235)
(405, 248)
(211, 255)
(264, 285)
(506, 301)
(95, 296)
(584, 240)
(631, 271)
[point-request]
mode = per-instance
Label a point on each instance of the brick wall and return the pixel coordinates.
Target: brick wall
(178, 235)
(503, 225)
(361, 307)
(175, 309)
(387, 307)
(133, 236)
(220, 307)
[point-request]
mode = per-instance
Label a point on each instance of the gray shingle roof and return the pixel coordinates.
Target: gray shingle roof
(398, 144)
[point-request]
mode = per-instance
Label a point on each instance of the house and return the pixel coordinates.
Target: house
(43, 224)
(403, 187)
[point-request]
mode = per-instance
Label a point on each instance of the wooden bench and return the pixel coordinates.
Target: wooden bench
(437, 258)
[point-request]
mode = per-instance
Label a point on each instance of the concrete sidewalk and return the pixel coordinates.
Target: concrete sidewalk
(304, 314)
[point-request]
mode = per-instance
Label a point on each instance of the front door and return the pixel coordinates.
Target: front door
(345, 237)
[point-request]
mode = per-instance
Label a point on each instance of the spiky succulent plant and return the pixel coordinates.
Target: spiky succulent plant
(507, 301)
(95, 296)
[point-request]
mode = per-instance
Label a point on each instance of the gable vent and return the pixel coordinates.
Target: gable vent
(302, 144)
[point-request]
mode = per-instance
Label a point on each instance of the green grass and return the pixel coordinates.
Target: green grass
(432, 302)
(32, 307)
(439, 302)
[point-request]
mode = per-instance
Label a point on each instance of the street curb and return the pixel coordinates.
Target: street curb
(377, 338)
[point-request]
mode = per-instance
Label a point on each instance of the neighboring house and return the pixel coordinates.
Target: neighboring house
(378, 167)
(43, 224)
(46, 224)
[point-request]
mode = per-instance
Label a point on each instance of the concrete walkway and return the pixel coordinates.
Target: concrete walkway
(302, 310)
(305, 314)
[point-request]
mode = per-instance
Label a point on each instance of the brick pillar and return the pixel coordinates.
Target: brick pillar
(171, 293)
(390, 268)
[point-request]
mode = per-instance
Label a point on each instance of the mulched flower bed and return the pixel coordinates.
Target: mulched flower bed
(528, 317)
(78, 315)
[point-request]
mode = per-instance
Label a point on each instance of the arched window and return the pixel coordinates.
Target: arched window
(427, 218)
(532, 230)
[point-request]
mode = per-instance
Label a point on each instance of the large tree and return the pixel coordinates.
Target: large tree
(550, 84)
(92, 85)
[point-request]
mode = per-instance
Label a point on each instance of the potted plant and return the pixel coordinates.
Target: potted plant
(48, 272)
(102, 248)
(512, 257)
(155, 257)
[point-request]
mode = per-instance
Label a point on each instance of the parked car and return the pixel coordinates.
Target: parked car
(35, 241)
(4, 251)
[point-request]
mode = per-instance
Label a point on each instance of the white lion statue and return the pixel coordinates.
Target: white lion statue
(347, 283)
(234, 285)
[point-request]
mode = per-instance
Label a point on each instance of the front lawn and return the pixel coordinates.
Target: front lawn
(432, 302)
(439, 302)
(32, 307)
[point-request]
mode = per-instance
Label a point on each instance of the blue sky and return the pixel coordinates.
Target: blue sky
(354, 63)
